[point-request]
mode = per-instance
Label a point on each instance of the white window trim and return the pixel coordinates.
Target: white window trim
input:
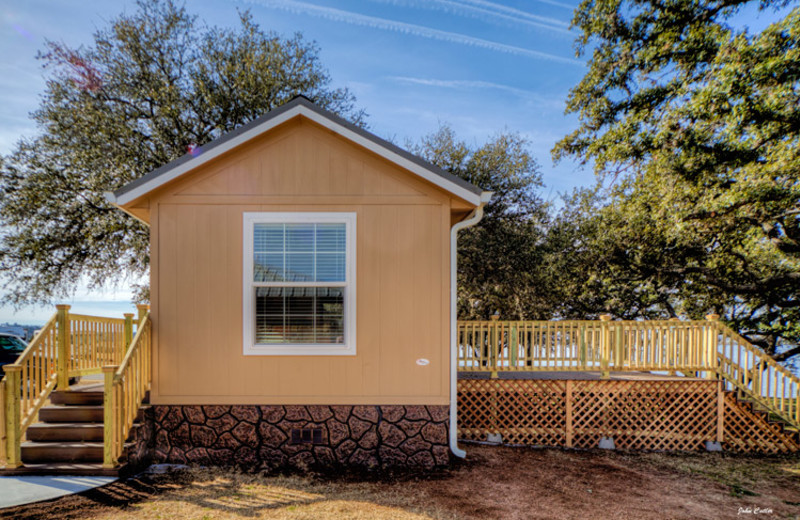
(250, 347)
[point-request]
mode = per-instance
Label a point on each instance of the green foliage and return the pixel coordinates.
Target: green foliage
(696, 126)
(498, 258)
(154, 84)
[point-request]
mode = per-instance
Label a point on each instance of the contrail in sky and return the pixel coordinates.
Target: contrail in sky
(511, 10)
(339, 15)
(487, 9)
(477, 84)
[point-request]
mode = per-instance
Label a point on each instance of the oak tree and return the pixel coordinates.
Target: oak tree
(499, 258)
(154, 84)
(694, 124)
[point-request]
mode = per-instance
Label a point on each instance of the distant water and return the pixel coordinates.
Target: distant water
(40, 315)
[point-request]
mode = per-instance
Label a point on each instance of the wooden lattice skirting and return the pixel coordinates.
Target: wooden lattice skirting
(638, 415)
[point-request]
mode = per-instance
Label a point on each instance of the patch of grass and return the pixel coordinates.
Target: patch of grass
(222, 494)
(738, 491)
(741, 474)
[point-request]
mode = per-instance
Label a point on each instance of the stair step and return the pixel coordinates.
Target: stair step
(63, 468)
(57, 452)
(71, 414)
(92, 397)
(33, 452)
(76, 414)
(70, 432)
(65, 432)
(73, 398)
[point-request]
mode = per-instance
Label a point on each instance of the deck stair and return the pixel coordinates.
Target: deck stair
(756, 408)
(69, 437)
(48, 426)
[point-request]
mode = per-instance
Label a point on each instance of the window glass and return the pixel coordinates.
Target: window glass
(299, 252)
(302, 315)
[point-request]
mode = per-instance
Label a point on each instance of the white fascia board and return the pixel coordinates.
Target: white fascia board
(217, 151)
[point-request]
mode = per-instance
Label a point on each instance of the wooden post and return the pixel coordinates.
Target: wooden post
(128, 329)
(64, 347)
(142, 308)
(720, 411)
(758, 369)
(13, 419)
(568, 406)
(3, 449)
(109, 413)
(494, 424)
(605, 345)
(711, 346)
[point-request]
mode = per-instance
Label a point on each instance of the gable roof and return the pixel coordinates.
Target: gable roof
(299, 105)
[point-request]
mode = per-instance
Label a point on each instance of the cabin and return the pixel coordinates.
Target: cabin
(301, 272)
(303, 313)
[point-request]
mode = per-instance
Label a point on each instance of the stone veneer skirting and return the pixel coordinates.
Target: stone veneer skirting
(261, 436)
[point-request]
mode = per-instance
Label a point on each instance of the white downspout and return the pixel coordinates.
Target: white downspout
(473, 219)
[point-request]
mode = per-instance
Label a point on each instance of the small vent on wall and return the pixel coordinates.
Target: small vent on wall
(306, 435)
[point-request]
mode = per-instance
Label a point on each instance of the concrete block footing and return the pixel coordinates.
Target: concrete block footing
(606, 443)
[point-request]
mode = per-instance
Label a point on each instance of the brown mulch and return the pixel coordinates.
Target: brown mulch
(495, 482)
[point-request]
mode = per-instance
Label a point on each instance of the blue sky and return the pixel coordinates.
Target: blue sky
(481, 66)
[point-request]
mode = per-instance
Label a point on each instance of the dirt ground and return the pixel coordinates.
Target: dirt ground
(495, 482)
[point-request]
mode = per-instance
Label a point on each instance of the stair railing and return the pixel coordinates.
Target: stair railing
(28, 383)
(125, 389)
(757, 376)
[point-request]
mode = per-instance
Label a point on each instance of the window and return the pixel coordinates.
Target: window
(299, 284)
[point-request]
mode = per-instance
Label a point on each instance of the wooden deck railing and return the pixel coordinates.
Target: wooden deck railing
(584, 345)
(125, 388)
(68, 345)
(699, 348)
(96, 342)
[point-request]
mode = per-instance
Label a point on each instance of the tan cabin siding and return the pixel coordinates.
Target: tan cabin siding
(402, 277)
